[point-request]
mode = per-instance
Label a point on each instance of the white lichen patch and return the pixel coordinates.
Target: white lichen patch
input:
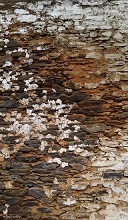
(26, 18)
(5, 212)
(23, 30)
(70, 201)
(39, 48)
(48, 192)
(98, 18)
(54, 160)
(112, 212)
(6, 41)
(55, 181)
(37, 7)
(21, 11)
(8, 184)
(6, 85)
(43, 145)
(24, 129)
(5, 152)
(78, 149)
(33, 123)
(7, 80)
(7, 63)
(25, 102)
(58, 161)
(30, 86)
(62, 150)
(64, 164)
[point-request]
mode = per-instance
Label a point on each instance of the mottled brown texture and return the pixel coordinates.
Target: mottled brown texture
(63, 110)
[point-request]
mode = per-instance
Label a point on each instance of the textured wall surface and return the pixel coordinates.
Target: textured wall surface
(64, 110)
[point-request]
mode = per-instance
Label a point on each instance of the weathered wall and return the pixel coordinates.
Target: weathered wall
(64, 110)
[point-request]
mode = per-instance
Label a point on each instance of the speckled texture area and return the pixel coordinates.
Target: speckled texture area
(64, 110)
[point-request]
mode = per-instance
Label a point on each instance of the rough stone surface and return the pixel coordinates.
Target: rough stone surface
(36, 193)
(64, 110)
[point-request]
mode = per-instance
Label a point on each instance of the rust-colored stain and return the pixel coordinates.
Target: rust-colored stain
(63, 110)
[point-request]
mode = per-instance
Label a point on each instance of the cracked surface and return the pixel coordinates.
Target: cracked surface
(64, 110)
